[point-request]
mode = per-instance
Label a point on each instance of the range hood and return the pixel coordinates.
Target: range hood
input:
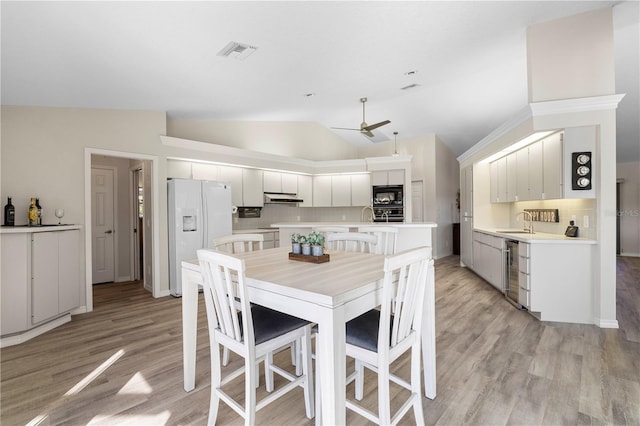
(281, 198)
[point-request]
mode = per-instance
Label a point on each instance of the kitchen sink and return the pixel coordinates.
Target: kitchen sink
(515, 232)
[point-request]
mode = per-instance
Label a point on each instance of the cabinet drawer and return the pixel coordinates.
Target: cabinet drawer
(490, 240)
(524, 249)
(524, 281)
(524, 264)
(525, 298)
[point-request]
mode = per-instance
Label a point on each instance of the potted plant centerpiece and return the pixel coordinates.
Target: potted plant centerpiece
(295, 244)
(306, 247)
(316, 240)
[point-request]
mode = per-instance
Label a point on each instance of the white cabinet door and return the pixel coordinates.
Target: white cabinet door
(341, 191)
(466, 241)
(179, 169)
(68, 270)
(15, 279)
(322, 191)
(232, 176)
(252, 195)
(361, 190)
(466, 191)
(535, 171)
(552, 167)
(272, 181)
(305, 190)
(493, 182)
(502, 180)
(396, 177)
(522, 159)
(44, 276)
(512, 177)
(379, 178)
(202, 171)
(289, 183)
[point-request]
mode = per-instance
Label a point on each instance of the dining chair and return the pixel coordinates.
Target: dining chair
(352, 241)
(380, 336)
(239, 243)
(252, 332)
(387, 238)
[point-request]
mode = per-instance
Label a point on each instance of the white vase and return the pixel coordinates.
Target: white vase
(295, 248)
(306, 249)
(317, 250)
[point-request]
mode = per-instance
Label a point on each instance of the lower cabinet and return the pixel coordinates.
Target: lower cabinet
(488, 258)
(55, 276)
(271, 240)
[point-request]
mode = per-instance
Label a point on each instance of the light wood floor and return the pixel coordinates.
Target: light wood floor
(122, 364)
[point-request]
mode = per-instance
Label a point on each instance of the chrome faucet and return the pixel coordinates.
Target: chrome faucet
(371, 214)
(386, 216)
(530, 228)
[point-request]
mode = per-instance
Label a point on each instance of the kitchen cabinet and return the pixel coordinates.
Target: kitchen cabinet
(322, 191)
(512, 177)
(522, 164)
(252, 194)
(341, 191)
(289, 183)
(361, 189)
(279, 182)
(232, 176)
(498, 173)
(535, 171)
(488, 257)
(305, 190)
(15, 281)
(55, 278)
(524, 276)
(387, 177)
(466, 216)
(552, 167)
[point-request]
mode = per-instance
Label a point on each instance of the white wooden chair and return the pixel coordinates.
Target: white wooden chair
(253, 332)
(387, 238)
(239, 243)
(352, 241)
(379, 337)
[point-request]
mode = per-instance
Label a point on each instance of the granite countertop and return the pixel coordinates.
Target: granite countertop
(536, 237)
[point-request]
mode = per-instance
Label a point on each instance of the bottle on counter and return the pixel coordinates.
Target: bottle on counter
(9, 214)
(39, 211)
(33, 213)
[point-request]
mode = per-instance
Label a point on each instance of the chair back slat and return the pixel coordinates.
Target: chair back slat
(387, 238)
(404, 288)
(223, 280)
(239, 243)
(352, 241)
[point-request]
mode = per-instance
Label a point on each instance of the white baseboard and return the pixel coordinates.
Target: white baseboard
(30, 334)
(79, 310)
(602, 323)
(124, 279)
(163, 293)
(630, 254)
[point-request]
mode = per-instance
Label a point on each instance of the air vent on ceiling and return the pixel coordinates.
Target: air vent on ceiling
(237, 50)
(411, 86)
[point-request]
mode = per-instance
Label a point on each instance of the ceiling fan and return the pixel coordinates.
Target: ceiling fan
(365, 128)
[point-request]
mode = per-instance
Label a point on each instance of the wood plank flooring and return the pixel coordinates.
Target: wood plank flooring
(122, 364)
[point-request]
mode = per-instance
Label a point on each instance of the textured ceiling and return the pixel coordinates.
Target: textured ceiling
(470, 59)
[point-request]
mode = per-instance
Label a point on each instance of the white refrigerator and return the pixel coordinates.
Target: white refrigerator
(198, 212)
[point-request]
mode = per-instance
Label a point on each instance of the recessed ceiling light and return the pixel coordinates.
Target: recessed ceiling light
(236, 50)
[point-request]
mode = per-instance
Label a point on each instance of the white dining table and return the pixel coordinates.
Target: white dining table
(329, 294)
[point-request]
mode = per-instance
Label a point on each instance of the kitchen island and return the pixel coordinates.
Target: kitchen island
(410, 235)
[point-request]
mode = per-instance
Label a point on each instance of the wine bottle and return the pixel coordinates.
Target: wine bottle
(9, 214)
(33, 213)
(39, 211)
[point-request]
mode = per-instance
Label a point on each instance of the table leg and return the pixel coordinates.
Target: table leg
(332, 358)
(189, 328)
(429, 335)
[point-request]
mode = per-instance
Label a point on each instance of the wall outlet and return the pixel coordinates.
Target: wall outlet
(585, 221)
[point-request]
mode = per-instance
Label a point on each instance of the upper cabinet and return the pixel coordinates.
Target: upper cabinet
(361, 189)
(252, 194)
(341, 190)
(322, 191)
(531, 173)
(305, 190)
(280, 182)
(387, 177)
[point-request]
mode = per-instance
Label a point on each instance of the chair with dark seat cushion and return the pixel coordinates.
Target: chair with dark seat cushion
(251, 331)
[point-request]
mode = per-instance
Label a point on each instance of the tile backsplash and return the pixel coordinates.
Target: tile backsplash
(584, 211)
(276, 213)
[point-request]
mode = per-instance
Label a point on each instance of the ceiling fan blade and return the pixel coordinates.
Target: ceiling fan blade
(345, 128)
(367, 133)
(376, 125)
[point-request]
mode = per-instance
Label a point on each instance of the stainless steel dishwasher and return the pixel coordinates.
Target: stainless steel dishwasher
(512, 290)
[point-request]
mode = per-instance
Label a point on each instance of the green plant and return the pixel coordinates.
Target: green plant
(295, 238)
(302, 239)
(316, 239)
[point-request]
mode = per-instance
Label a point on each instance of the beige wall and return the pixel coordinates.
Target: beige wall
(571, 57)
(629, 212)
(306, 140)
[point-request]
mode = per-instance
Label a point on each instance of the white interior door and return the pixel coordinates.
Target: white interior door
(102, 225)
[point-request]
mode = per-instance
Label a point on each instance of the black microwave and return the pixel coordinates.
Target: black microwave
(388, 195)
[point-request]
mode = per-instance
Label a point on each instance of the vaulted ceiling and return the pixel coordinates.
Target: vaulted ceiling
(465, 62)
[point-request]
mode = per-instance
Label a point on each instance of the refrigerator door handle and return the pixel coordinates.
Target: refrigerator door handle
(205, 214)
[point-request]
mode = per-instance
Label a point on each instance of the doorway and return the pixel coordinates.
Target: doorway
(103, 223)
(149, 268)
(137, 220)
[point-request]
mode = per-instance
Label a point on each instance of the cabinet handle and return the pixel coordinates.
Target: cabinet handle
(108, 232)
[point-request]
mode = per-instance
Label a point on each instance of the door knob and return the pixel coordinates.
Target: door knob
(108, 232)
